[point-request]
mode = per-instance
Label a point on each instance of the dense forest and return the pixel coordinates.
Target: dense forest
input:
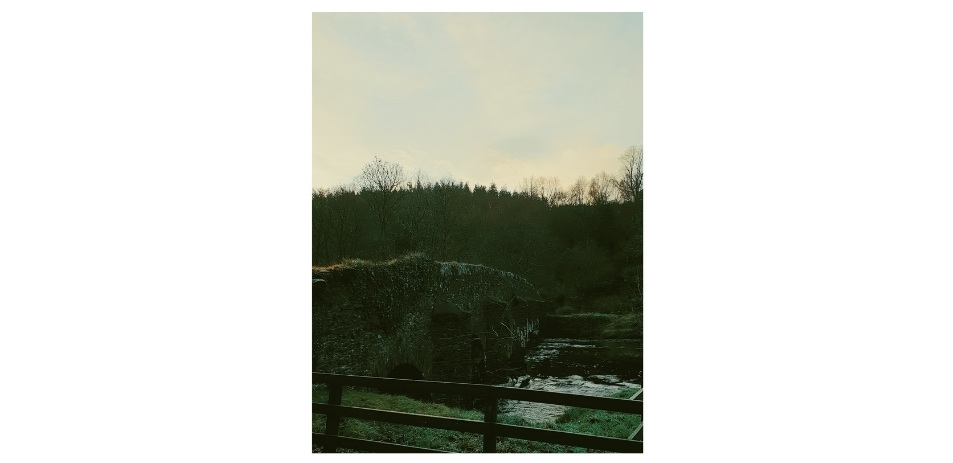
(581, 246)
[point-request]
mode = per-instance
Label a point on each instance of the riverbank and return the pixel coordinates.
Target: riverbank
(584, 421)
(592, 325)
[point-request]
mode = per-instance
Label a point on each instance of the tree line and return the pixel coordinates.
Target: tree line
(578, 245)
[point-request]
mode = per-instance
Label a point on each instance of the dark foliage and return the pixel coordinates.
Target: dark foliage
(574, 248)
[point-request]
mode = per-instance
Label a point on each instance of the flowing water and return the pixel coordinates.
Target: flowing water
(577, 366)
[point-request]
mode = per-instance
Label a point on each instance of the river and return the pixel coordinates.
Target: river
(577, 366)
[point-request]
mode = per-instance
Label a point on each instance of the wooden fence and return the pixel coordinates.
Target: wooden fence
(489, 428)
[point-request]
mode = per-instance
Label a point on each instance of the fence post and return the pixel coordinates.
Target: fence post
(334, 420)
(637, 434)
(489, 416)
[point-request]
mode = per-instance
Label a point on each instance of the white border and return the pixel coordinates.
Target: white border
(155, 166)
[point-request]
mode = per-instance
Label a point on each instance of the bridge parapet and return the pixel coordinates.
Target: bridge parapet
(453, 321)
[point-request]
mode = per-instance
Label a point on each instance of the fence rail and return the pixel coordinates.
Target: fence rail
(489, 428)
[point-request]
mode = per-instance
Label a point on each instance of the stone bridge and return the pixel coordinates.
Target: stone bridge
(417, 318)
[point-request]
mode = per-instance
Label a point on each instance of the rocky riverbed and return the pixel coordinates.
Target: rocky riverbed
(575, 366)
(594, 385)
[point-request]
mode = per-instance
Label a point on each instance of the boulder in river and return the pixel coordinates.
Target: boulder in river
(523, 381)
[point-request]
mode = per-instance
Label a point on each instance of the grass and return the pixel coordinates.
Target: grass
(362, 263)
(624, 327)
(589, 317)
(578, 420)
(605, 320)
(399, 433)
(600, 422)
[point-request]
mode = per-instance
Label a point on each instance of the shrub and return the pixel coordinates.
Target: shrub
(610, 304)
(624, 327)
(567, 310)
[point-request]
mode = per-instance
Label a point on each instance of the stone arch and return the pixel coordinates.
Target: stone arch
(408, 371)
(477, 360)
(405, 371)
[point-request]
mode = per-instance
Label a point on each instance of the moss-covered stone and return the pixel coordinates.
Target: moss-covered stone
(453, 321)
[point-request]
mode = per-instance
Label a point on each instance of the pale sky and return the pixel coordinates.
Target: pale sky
(480, 97)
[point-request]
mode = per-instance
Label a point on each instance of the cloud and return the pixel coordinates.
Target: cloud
(479, 96)
(522, 146)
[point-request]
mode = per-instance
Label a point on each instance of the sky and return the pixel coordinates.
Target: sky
(477, 97)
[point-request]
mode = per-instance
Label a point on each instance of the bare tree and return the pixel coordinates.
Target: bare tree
(630, 184)
(416, 211)
(553, 192)
(600, 189)
(319, 223)
(342, 220)
(532, 186)
(577, 192)
(419, 181)
(448, 209)
(380, 180)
